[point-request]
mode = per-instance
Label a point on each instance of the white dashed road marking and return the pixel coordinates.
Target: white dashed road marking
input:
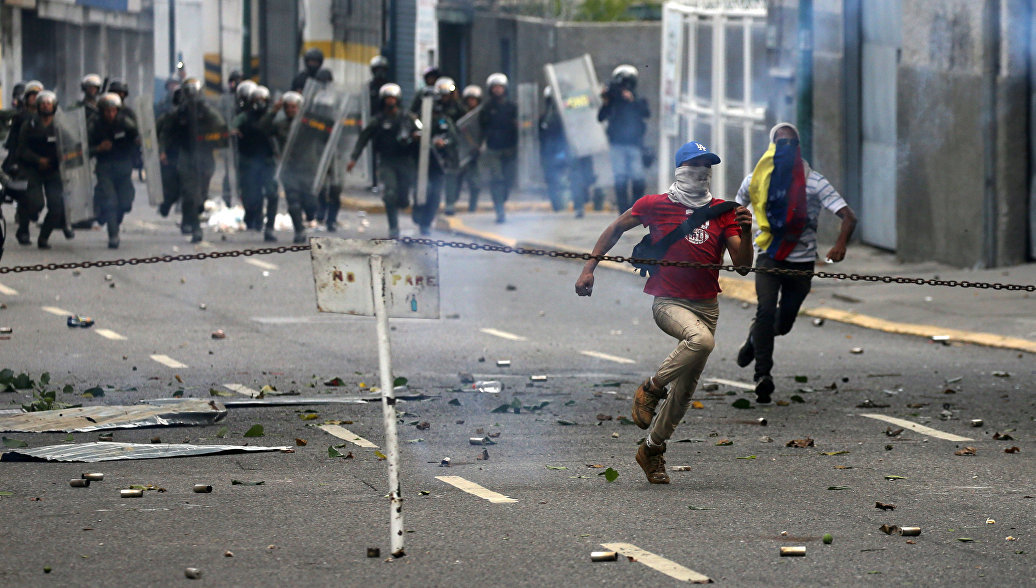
(917, 428)
(347, 435)
(607, 357)
(57, 311)
(242, 389)
(261, 264)
(7, 291)
(109, 334)
(503, 334)
(168, 361)
(732, 383)
(658, 563)
(475, 489)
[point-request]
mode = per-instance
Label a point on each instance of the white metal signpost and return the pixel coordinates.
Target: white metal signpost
(381, 279)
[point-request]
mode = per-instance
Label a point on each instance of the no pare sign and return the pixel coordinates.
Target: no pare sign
(343, 278)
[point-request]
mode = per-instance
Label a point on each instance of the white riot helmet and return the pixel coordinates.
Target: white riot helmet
(472, 91)
(90, 81)
(445, 86)
(392, 90)
(109, 100)
(292, 98)
(243, 92)
(626, 74)
(259, 97)
(379, 62)
(497, 79)
(192, 87)
(47, 97)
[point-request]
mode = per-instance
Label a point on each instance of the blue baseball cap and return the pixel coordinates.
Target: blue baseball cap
(694, 150)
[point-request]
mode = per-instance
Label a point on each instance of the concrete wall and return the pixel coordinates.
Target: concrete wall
(535, 42)
(963, 168)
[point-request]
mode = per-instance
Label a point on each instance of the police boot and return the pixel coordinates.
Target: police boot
(68, 232)
(43, 242)
(269, 236)
(196, 235)
(22, 234)
(298, 224)
(638, 190)
(473, 201)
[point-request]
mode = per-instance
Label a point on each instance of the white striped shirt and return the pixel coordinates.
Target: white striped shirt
(819, 192)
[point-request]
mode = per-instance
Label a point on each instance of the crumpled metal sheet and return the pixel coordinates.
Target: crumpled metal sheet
(96, 418)
(109, 451)
(296, 400)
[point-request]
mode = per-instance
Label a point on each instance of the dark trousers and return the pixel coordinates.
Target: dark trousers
(194, 172)
(46, 188)
(424, 214)
(397, 174)
(115, 193)
(779, 300)
(331, 197)
(257, 188)
(298, 202)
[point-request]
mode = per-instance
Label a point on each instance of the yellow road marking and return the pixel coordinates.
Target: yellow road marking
(658, 563)
(56, 311)
(168, 361)
(109, 334)
(917, 428)
(347, 435)
(475, 489)
(8, 291)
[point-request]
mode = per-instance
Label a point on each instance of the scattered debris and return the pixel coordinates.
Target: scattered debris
(710, 387)
(800, 443)
(818, 322)
(609, 474)
(445, 463)
(111, 451)
(890, 432)
(84, 322)
(742, 403)
(999, 374)
(228, 553)
(990, 522)
(79, 483)
(827, 539)
(192, 573)
(1002, 437)
(219, 334)
(762, 422)
(202, 489)
(944, 339)
(484, 456)
(871, 404)
(93, 477)
(565, 422)
(615, 435)
(254, 431)
(480, 441)
(856, 350)
(798, 551)
(550, 467)
(681, 468)
(423, 426)
(766, 439)
(965, 451)
(883, 506)
(131, 493)
(247, 483)
(604, 556)
(488, 386)
(503, 363)
(842, 452)
(1013, 449)
(373, 552)
(838, 488)
(300, 442)
(965, 539)
(538, 378)
(724, 443)
(697, 405)
(604, 417)
(700, 508)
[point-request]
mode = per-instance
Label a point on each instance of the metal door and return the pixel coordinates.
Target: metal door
(881, 30)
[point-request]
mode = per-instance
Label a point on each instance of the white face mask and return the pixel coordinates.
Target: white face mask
(691, 188)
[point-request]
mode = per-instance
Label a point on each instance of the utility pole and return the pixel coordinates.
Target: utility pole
(804, 80)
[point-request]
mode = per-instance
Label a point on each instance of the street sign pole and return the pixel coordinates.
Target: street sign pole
(388, 404)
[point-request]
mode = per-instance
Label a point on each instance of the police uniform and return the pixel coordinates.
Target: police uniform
(114, 168)
(499, 121)
(196, 129)
(392, 138)
(256, 169)
(38, 154)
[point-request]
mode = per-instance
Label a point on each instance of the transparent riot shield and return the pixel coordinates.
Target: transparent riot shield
(352, 125)
(306, 156)
(149, 148)
(529, 172)
(74, 164)
(470, 133)
(577, 95)
(226, 156)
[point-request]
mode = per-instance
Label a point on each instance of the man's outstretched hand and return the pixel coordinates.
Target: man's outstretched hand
(585, 284)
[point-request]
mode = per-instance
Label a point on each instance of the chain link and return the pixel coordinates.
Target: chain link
(473, 246)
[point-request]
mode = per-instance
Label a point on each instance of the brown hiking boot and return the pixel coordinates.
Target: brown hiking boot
(645, 399)
(651, 460)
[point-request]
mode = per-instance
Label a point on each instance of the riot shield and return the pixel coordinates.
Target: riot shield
(577, 95)
(529, 169)
(352, 125)
(226, 157)
(74, 164)
(149, 148)
(470, 133)
(306, 156)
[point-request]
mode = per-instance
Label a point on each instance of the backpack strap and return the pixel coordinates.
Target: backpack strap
(694, 221)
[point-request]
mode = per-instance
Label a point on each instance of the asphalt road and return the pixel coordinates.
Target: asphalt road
(312, 520)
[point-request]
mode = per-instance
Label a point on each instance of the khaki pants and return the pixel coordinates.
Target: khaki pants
(693, 323)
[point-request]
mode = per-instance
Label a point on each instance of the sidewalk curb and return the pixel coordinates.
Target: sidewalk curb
(374, 205)
(744, 290)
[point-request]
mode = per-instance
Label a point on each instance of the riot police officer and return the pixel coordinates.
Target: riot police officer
(499, 122)
(38, 153)
(195, 130)
(277, 122)
(121, 89)
(444, 163)
(469, 174)
(114, 142)
(91, 86)
(431, 75)
(626, 115)
(169, 154)
(312, 61)
(393, 133)
(27, 211)
(256, 164)
(379, 65)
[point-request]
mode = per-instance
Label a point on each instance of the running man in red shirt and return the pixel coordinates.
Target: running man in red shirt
(685, 305)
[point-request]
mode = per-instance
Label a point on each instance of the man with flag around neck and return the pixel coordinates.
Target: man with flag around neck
(786, 196)
(685, 305)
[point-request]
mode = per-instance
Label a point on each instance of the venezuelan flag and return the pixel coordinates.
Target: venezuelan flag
(778, 196)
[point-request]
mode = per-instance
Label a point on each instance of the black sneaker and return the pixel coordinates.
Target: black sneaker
(746, 354)
(763, 389)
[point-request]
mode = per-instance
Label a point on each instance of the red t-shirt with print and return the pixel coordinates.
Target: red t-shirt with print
(705, 244)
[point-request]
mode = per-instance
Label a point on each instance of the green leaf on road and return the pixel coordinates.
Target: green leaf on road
(243, 483)
(724, 443)
(833, 452)
(95, 392)
(827, 539)
(379, 454)
(742, 403)
(838, 487)
(565, 422)
(454, 402)
(501, 409)
(14, 443)
(700, 508)
(221, 433)
(747, 457)
(68, 389)
(609, 474)
(418, 440)
(255, 431)
(178, 394)
(965, 539)
(400, 381)
(45, 378)
(801, 379)
(69, 438)
(797, 399)
(895, 478)
(332, 452)
(215, 392)
(550, 467)
(625, 421)
(570, 403)
(6, 493)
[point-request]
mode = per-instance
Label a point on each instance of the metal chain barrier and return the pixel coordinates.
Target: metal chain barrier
(527, 251)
